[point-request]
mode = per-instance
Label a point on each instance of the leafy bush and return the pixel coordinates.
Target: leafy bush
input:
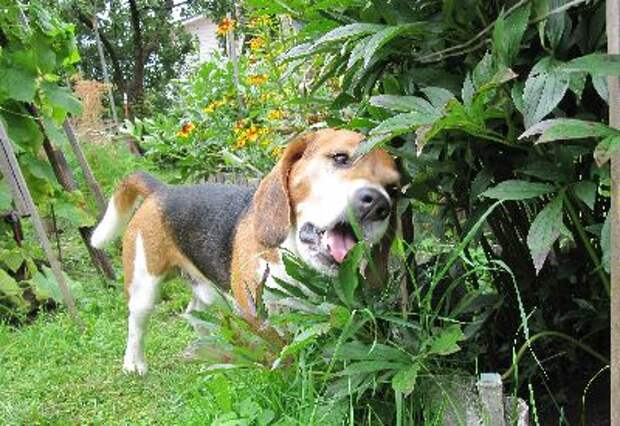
(457, 94)
(35, 57)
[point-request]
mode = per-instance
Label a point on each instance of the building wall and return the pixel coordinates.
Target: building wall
(204, 30)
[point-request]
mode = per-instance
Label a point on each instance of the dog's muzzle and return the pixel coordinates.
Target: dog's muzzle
(332, 243)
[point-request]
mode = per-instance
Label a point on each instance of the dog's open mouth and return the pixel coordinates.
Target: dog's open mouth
(333, 242)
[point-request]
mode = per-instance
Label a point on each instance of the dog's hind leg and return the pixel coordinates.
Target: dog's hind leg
(142, 294)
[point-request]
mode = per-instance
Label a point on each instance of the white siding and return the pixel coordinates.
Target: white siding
(204, 30)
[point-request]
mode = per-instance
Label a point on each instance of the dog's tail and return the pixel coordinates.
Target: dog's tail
(121, 206)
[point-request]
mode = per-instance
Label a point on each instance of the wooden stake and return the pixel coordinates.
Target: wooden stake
(613, 44)
(12, 171)
(88, 173)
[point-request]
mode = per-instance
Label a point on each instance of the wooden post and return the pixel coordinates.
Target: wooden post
(67, 181)
(88, 173)
(613, 44)
(104, 69)
(231, 47)
(19, 189)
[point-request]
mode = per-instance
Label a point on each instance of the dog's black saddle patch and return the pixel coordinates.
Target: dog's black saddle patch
(203, 219)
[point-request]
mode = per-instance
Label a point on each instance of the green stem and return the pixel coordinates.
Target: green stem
(563, 336)
(586, 242)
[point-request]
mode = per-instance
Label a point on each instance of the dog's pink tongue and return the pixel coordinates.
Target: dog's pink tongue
(339, 244)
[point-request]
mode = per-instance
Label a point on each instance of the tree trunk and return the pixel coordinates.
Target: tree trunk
(136, 93)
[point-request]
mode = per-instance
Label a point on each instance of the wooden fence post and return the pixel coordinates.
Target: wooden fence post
(21, 196)
(91, 181)
(613, 44)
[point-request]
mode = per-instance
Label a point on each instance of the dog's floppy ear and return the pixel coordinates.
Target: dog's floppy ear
(272, 207)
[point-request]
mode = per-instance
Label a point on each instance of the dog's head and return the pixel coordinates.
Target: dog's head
(306, 202)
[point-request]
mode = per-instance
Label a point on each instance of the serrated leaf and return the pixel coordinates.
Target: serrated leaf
(404, 381)
(568, 129)
(358, 52)
(349, 31)
(544, 231)
(403, 123)
(596, 64)
(380, 39)
(542, 93)
(402, 103)
(438, 96)
(509, 32)
(305, 338)
(586, 192)
(605, 149)
(446, 342)
(518, 190)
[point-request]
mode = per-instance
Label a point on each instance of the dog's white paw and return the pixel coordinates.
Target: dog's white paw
(133, 366)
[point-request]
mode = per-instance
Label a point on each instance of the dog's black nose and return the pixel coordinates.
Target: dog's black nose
(370, 204)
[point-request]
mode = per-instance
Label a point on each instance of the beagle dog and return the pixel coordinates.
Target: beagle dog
(233, 237)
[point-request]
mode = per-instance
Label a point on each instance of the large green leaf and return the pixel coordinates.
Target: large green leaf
(383, 37)
(349, 31)
(586, 192)
(446, 342)
(508, 33)
(61, 98)
(348, 279)
(402, 103)
(19, 85)
(542, 93)
(404, 381)
(518, 190)
(605, 149)
(597, 64)
(8, 285)
(567, 129)
(405, 122)
(545, 230)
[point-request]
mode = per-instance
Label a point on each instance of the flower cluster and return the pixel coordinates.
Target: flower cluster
(257, 79)
(213, 106)
(260, 21)
(257, 43)
(186, 130)
(275, 114)
(247, 135)
(225, 26)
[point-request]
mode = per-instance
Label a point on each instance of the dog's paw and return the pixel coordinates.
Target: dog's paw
(132, 366)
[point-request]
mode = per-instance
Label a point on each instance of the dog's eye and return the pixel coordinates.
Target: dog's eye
(341, 158)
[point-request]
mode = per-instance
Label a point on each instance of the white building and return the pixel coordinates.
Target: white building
(203, 29)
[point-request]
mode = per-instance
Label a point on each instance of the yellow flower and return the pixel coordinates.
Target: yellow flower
(257, 79)
(277, 151)
(186, 130)
(239, 125)
(253, 133)
(257, 43)
(260, 21)
(213, 106)
(275, 114)
(225, 26)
